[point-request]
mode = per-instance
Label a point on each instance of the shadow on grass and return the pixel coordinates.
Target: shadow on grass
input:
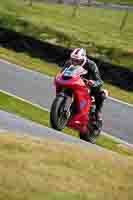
(113, 74)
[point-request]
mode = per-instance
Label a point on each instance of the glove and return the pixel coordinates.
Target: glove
(91, 83)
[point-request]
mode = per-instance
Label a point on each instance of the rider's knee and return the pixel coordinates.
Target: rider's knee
(104, 94)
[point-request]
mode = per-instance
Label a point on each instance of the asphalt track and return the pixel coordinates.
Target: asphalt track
(11, 124)
(38, 89)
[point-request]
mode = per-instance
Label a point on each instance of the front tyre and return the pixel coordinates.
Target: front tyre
(58, 118)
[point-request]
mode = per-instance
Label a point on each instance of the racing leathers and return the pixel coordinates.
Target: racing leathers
(95, 82)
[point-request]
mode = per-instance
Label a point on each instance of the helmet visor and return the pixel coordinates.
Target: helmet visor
(76, 61)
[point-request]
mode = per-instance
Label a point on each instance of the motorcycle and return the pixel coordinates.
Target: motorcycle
(73, 105)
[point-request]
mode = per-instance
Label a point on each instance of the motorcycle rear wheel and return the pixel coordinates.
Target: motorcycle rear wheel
(84, 136)
(87, 136)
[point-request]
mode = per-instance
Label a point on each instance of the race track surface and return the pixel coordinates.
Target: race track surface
(39, 89)
(14, 124)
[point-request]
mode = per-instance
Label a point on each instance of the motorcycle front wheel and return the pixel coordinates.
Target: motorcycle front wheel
(58, 118)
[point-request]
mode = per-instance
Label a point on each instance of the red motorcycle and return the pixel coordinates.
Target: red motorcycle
(73, 106)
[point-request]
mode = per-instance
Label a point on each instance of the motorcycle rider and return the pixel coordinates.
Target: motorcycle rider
(79, 57)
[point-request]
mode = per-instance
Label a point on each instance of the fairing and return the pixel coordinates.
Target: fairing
(81, 95)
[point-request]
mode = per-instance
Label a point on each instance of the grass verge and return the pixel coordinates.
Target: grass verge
(51, 69)
(26, 110)
(47, 169)
(98, 30)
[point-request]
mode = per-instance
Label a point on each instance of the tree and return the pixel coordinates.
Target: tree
(89, 2)
(124, 20)
(30, 2)
(75, 8)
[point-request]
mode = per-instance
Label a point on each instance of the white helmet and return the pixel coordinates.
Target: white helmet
(78, 56)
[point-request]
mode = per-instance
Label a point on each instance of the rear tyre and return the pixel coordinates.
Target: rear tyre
(58, 118)
(88, 137)
(91, 134)
(84, 136)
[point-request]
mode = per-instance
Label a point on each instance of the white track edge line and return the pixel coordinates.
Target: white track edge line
(45, 109)
(24, 100)
(119, 101)
(24, 68)
(117, 139)
(29, 70)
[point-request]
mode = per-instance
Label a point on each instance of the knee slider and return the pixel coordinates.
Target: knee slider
(104, 94)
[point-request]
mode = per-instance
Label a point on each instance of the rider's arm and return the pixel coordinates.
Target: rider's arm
(95, 74)
(66, 65)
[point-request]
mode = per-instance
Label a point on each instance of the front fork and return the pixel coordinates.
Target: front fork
(67, 104)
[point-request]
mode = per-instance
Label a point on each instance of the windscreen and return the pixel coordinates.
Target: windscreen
(74, 70)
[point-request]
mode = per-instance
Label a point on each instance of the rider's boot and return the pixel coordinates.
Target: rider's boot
(99, 119)
(92, 138)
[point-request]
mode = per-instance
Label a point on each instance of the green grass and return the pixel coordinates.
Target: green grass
(130, 2)
(26, 110)
(118, 93)
(95, 29)
(27, 61)
(51, 69)
(47, 169)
